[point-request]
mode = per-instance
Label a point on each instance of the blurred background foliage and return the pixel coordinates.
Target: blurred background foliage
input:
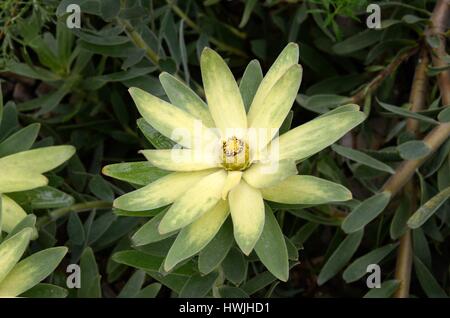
(73, 82)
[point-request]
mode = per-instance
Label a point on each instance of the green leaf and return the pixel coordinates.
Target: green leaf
(258, 282)
(198, 286)
(20, 141)
(42, 198)
(386, 290)
(45, 291)
(27, 222)
(185, 98)
(32, 270)
(413, 150)
(101, 188)
(407, 113)
(358, 268)
(292, 250)
(271, 247)
(362, 158)
(365, 212)
(90, 277)
(149, 233)
(140, 173)
(35, 72)
(215, 252)
(194, 237)
(12, 214)
(232, 292)
(357, 42)
(138, 260)
(100, 226)
(250, 82)
(322, 103)
(37, 160)
(427, 281)
(235, 266)
(150, 291)
(421, 247)
(156, 139)
(248, 9)
(133, 285)
(11, 251)
(428, 209)
(286, 125)
(315, 218)
(304, 233)
(398, 223)
(1, 104)
(75, 230)
(96, 82)
(444, 115)
(341, 109)
(340, 257)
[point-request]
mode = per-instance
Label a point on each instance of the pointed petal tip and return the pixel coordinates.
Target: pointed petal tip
(164, 74)
(168, 266)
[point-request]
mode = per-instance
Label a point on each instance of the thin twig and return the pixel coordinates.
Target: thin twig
(378, 80)
(417, 100)
(433, 140)
(79, 207)
(221, 45)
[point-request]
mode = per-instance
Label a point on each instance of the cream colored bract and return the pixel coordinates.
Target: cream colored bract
(203, 192)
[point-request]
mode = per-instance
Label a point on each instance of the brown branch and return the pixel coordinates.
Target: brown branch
(433, 140)
(439, 20)
(378, 80)
(417, 99)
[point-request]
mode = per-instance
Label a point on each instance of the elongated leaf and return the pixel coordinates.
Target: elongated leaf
(133, 285)
(249, 6)
(340, 256)
(11, 251)
(45, 291)
(250, 82)
(414, 149)
(12, 214)
(149, 233)
(198, 286)
(197, 235)
(140, 173)
(358, 268)
(398, 223)
(90, 277)
(31, 271)
(150, 291)
(407, 113)
(357, 42)
(235, 266)
(386, 290)
(271, 247)
(427, 281)
(428, 209)
(20, 141)
(42, 198)
(27, 222)
(365, 212)
(216, 251)
(362, 158)
(232, 292)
